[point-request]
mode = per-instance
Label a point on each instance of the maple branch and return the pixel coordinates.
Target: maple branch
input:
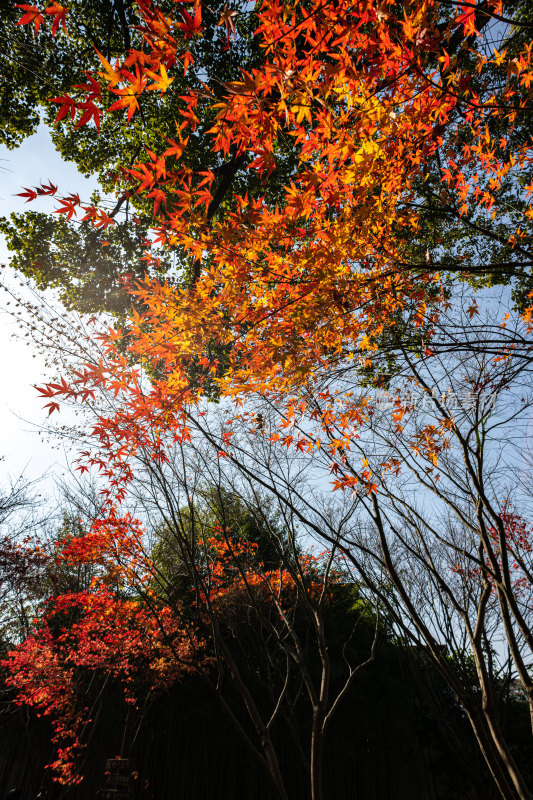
(447, 209)
(482, 10)
(118, 5)
(481, 19)
(493, 758)
(353, 671)
(505, 266)
(483, 231)
(120, 202)
(227, 174)
(461, 99)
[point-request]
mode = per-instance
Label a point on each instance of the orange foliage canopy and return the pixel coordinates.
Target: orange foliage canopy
(284, 296)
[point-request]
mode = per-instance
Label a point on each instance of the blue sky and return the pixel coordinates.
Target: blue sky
(21, 411)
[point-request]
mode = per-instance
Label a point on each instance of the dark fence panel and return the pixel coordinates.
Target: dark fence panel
(184, 748)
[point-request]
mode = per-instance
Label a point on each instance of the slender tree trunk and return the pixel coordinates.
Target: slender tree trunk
(498, 770)
(253, 712)
(317, 747)
(272, 759)
(491, 716)
(507, 759)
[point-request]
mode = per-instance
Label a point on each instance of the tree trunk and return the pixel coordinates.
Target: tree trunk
(317, 747)
(498, 770)
(253, 712)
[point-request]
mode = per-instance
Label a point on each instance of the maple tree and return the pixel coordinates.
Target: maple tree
(92, 631)
(386, 153)
(438, 523)
(397, 118)
(110, 638)
(216, 62)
